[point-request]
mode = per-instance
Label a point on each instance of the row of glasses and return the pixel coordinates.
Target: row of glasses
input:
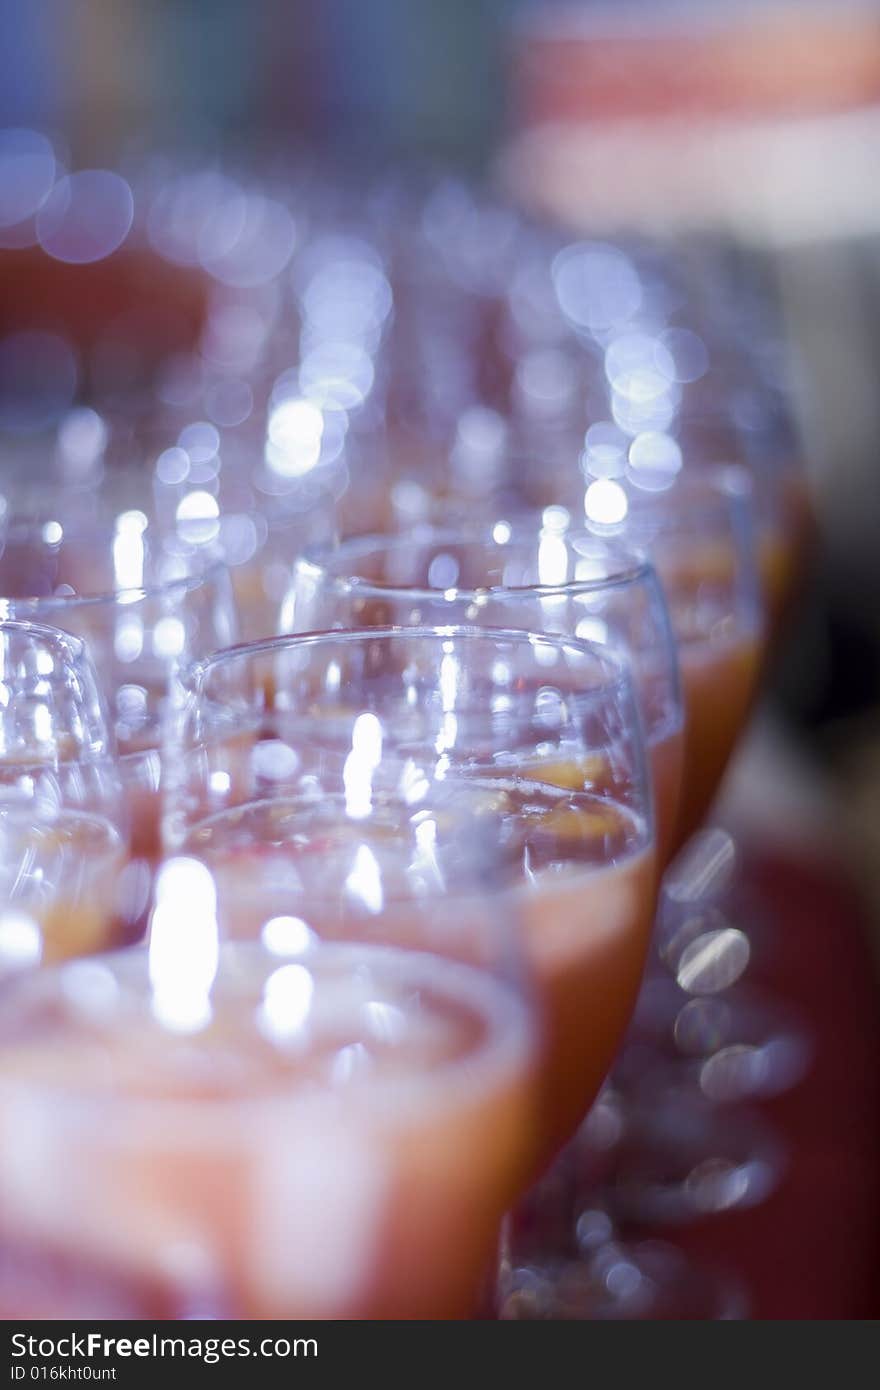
(217, 489)
(594, 972)
(545, 768)
(548, 769)
(580, 991)
(62, 561)
(542, 574)
(332, 1015)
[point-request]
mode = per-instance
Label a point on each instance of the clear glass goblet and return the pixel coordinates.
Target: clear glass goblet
(533, 574)
(326, 752)
(313, 1096)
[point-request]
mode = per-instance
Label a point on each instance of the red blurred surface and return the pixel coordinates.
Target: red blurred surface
(132, 298)
(812, 1251)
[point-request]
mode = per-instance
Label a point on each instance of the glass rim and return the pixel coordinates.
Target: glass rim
(45, 632)
(606, 658)
(636, 568)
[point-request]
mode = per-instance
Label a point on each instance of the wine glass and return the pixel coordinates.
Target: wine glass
(288, 1126)
(140, 610)
(314, 1095)
(61, 822)
(536, 574)
(302, 756)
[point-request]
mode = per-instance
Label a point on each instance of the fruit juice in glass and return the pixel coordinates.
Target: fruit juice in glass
(662, 718)
(719, 679)
(665, 755)
(59, 883)
(777, 568)
(334, 1134)
(666, 761)
(585, 874)
(721, 645)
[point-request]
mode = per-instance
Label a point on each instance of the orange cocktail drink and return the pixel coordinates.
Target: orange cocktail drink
(326, 1136)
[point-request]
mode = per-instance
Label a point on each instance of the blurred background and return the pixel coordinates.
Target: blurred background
(337, 73)
(754, 123)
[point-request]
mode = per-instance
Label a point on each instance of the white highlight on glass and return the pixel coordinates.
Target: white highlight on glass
(364, 881)
(128, 550)
(184, 945)
(21, 941)
(361, 763)
(287, 936)
(169, 638)
(287, 1000)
